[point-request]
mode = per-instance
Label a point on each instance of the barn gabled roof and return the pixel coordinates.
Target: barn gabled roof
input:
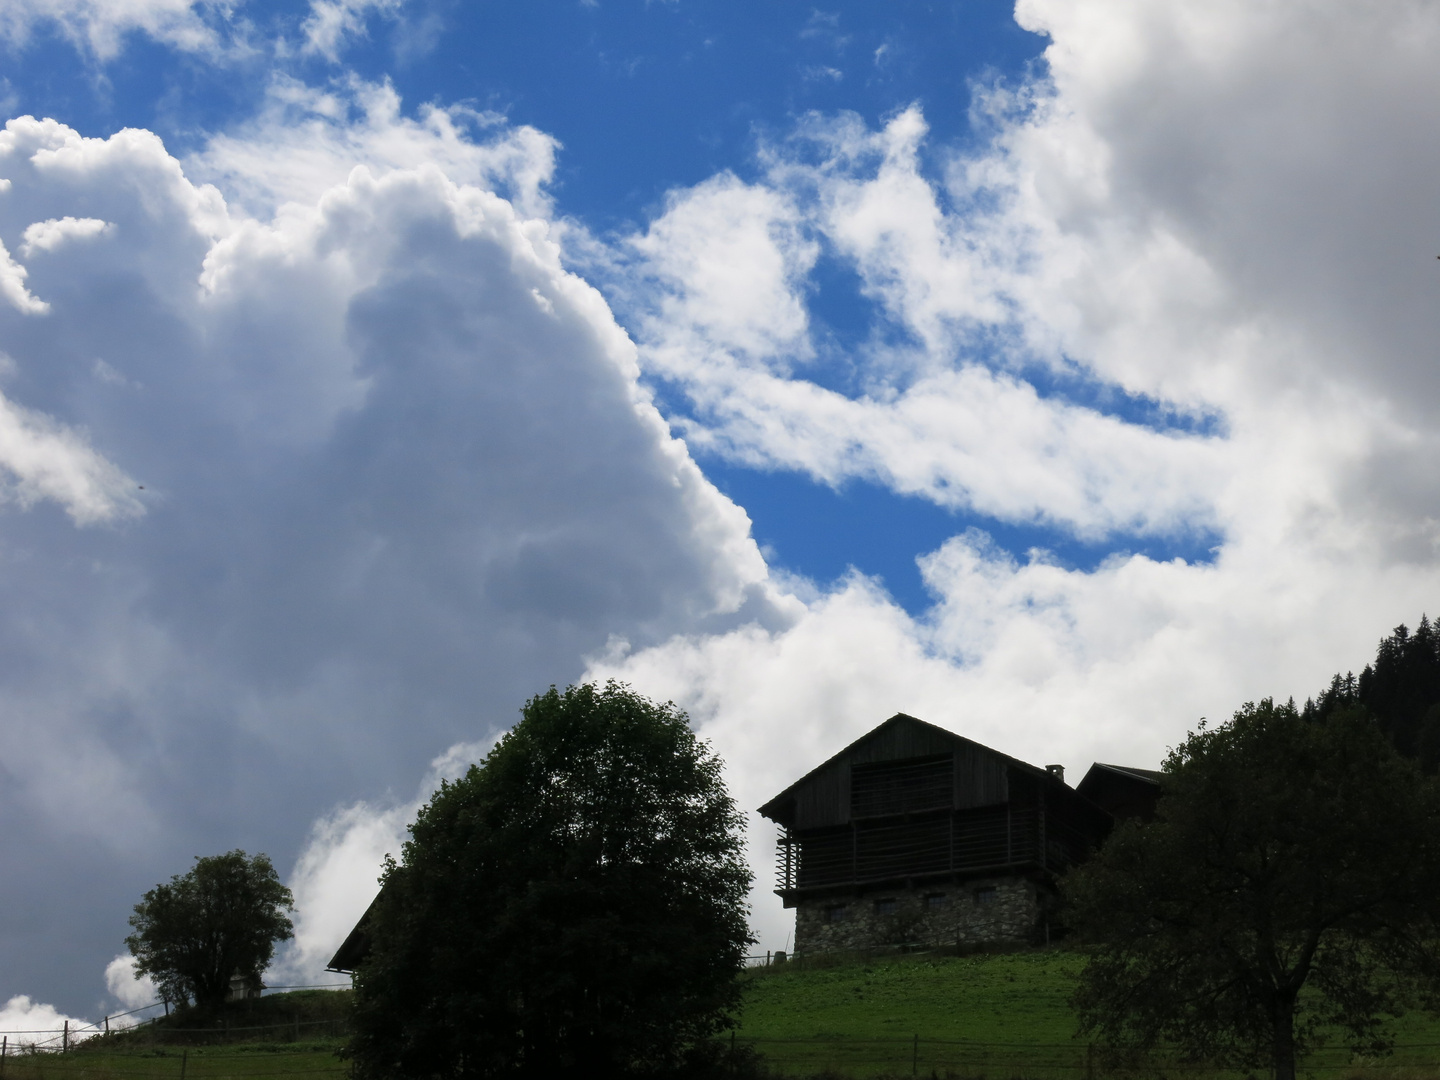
(1154, 776)
(356, 945)
(774, 808)
(1122, 790)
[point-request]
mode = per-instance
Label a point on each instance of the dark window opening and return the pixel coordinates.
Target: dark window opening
(986, 895)
(835, 913)
(935, 900)
(886, 907)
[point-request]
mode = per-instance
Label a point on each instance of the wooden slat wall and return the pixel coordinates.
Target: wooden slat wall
(981, 778)
(903, 740)
(824, 799)
(980, 775)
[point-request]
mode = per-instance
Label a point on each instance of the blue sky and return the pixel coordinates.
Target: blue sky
(1058, 372)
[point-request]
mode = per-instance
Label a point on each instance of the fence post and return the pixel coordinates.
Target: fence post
(4, 1046)
(184, 1056)
(915, 1058)
(65, 1038)
(107, 1025)
(1090, 1061)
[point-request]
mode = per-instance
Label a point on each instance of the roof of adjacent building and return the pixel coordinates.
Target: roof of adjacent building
(1121, 790)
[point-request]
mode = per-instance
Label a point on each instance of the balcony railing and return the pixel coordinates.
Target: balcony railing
(925, 845)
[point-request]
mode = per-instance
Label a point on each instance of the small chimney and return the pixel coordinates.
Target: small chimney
(1057, 771)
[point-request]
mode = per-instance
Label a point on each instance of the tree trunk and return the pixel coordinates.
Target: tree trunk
(1283, 1018)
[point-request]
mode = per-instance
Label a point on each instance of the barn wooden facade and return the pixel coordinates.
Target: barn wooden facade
(915, 834)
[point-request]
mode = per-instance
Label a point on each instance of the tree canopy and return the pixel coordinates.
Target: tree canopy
(1400, 688)
(1290, 881)
(577, 899)
(222, 919)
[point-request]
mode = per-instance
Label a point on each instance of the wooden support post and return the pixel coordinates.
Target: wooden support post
(4, 1047)
(184, 1058)
(107, 1025)
(65, 1038)
(915, 1058)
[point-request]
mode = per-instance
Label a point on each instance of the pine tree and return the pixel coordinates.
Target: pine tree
(1400, 689)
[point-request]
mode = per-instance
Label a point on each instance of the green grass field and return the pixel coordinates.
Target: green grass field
(237, 1062)
(991, 1015)
(996, 1016)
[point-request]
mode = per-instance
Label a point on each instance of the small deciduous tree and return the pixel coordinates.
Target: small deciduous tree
(222, 919)
(1289, 883)
(574, 904)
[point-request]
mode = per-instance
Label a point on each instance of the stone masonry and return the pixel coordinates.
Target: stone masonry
(983, 911)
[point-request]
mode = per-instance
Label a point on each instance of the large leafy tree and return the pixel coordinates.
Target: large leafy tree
(222, 919)
(1288, 886)
(575, 902)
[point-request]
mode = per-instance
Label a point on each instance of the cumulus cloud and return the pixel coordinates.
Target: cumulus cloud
(725, 317)
(12, 286)
(46, 460)
(48, 235)
(27, 1023)
(1227, 213)
(306, 140)
(402, 468)
(337, 873)
(129, 989)
(398, 475)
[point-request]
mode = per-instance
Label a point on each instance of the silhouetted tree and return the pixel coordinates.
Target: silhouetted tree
(1289, 881)
(222, 919)
(574, 905)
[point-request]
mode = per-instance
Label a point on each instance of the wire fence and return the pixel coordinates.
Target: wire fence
(830, 1055)
(75, 1032)
(917, 1055)
(766, 959)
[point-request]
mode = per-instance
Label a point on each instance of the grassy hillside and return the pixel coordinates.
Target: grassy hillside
(996, 1016)
(998, 998)
(992, 1016)
(294, 1034)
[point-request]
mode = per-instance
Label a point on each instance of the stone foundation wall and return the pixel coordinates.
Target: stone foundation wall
(979, 912)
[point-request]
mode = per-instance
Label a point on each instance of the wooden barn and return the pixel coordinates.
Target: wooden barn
(915, 835)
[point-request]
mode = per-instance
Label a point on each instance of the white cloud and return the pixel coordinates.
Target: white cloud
(131, 990)
(336, 876)
(725, 316)
(48, 235)
(48, 461)
(12, 286)
(398, 476)
(331, 22)
(29, 1023)
(1226, 209)
(306, 141)
(100, 26)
